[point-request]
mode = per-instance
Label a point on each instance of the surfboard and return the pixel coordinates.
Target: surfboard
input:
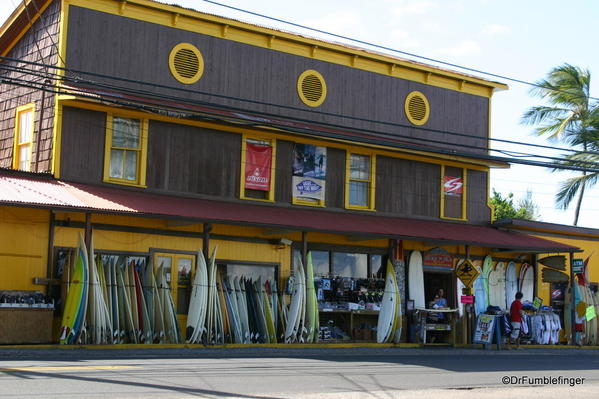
(416, 280)
(292, 327)
(480, 295)
(76, 302)
(387, 313)
(487, 268)
(311, 302)
(527, 282)
(497, 286)
(511, 284)
(555, 262)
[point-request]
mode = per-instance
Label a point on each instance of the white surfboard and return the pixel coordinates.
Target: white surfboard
(387, 314)
(416, 280)
(497, 285)
(511, 284)
(527, 282)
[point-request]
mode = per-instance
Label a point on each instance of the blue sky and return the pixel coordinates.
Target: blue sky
(518, 39)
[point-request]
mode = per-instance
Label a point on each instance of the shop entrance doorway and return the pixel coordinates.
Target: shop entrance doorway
(435, 280)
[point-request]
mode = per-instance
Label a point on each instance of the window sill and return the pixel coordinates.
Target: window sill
(125, 183)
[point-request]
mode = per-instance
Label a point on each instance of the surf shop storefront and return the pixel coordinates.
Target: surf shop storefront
(132, 233)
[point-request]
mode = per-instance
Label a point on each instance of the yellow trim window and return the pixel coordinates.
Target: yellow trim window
(359, 185)
(126, 150)
(453, 192)
(258, 160)
(23, 147)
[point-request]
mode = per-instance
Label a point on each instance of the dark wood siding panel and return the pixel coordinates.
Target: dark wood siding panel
(453, 203)
(478, 210)
(189, 159)
(39, 44)
(283, 172)
(335, 188)
(407, 188)
(83, 140)
(244, 72)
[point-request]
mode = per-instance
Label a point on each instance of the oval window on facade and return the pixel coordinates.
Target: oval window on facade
(186, 63)
(417, 108)
(311, 88)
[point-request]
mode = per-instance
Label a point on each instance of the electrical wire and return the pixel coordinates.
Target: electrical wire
(524, 82)
(243, 100)
(579, 165)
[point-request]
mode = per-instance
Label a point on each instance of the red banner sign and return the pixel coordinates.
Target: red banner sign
(453, 185)
(467, 299)
(258, 160)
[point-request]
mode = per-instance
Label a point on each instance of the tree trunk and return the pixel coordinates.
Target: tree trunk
(578, 204)
(577, 211)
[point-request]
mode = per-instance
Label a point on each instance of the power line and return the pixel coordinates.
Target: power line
(380, 140)
(393, 124)
(390, 49)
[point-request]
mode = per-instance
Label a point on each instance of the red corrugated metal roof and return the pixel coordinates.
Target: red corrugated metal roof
(31, 190)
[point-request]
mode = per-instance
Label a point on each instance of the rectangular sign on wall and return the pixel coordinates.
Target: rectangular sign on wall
(258, 162)
(453, 185)
(309, 172)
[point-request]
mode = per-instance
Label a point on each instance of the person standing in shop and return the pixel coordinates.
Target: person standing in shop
(516, 313)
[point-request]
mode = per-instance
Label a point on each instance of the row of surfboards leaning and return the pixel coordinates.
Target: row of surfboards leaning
(117, 303)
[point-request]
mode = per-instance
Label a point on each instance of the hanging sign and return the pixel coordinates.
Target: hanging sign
(467, 299)
(258, 160)
(577, 266)
(466, 272)
(485, 325)
(537, 303)
(437, 258)
(309, 172)
(453, 185)
(590, 313)
(308, 188)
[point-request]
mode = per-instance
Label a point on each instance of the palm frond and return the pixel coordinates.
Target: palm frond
(570, 187)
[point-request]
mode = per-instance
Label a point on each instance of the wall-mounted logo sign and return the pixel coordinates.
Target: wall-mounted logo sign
(453, 185)
(309, 172)
(258, 160)
(308, 186)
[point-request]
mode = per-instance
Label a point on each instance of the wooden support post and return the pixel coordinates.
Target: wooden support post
(50, 254)
(88, 230)
(304, 247)
(206, 240)
(573, 300)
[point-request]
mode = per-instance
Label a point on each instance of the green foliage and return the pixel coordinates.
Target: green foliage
(569, 116)
(505, 208)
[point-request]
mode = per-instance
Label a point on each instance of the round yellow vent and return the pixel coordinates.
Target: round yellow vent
(186, 63)
(417, 108)
(311, 88)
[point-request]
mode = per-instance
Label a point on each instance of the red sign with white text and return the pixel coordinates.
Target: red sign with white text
(453, 185)
(258, 160)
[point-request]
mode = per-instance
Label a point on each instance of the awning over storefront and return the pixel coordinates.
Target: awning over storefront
(32, 190)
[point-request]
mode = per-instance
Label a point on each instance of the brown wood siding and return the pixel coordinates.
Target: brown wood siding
(189, 159)
(39, 44)
(407, 188)
(453, 203)
(245, 72)
(284, 172)
(335, 188)
(83, 140)
(477, 208)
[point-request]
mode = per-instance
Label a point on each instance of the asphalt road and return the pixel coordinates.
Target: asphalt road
(297, 373)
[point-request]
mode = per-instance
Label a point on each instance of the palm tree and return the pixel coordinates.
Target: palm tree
(569, 117)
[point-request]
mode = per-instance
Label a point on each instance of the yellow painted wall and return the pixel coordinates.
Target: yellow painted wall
(23, 247)
(589, 247)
